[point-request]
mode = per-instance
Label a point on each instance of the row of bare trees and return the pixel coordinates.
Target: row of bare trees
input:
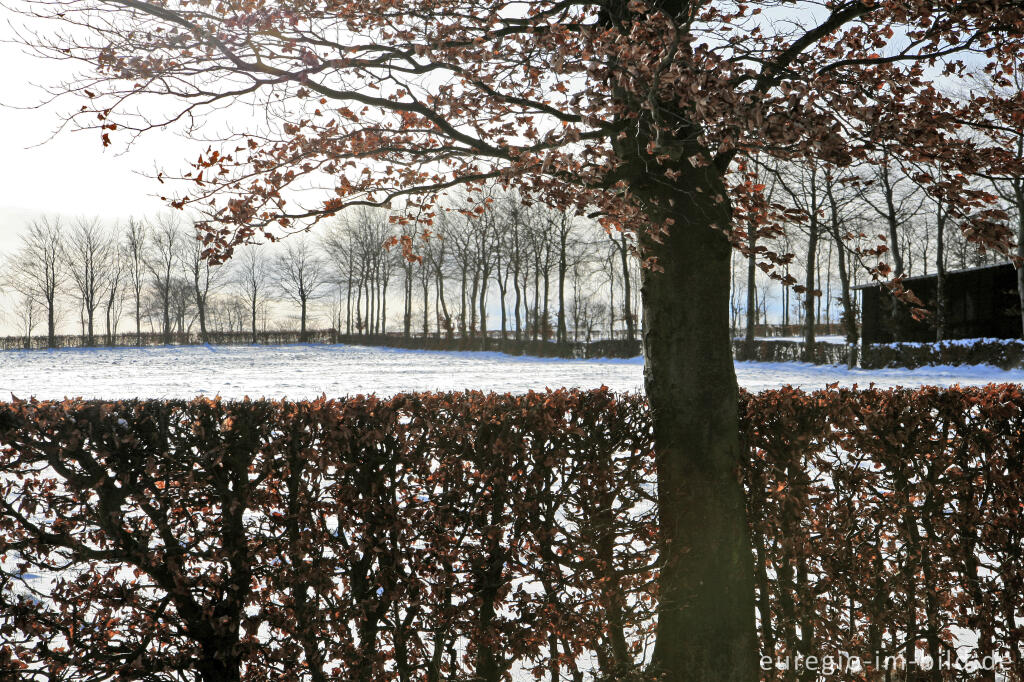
(838, 217)
(151, 274)
(542, 273)
(545, 274)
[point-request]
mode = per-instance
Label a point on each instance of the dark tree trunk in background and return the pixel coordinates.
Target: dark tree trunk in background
(563, 266)
(201, 305)
(1018, 193)
(462, 311)
(748, 338)
(627, 291)
(706, 628)
(253, 312)
(849, 314)
(536, 299)
(546, 314)
(167, 316)
(892, 220)
(940, 273)
(519, 319)
(812, 258)
(109, 322)
(502, 282)
(483, 309)
(407, 310)
(302, 320)
(426, 304)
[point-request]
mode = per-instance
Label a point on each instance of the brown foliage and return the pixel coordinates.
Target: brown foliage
(616, 107)
(455, 536)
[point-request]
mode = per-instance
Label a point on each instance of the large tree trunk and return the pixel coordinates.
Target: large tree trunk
(706, 628)
(462, 313)
(546, 321)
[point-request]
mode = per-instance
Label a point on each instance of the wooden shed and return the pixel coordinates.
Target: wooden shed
(980, 302)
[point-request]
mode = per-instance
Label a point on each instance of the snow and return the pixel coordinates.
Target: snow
(938, 345)
(833, 338)
(306, 371)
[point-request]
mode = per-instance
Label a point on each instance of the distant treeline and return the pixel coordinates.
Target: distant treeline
(606, 348)
(495, 264)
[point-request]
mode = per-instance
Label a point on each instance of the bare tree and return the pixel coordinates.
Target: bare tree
(837, 216)
(801, 182)
(39, 269)
(339, 246)
(114, 279)
(300, 274)
(622, 245)
(133, 254)
(252, 278)
(27, 307)
(203, 276)
(896, 203)
(87, 253)
(164, 241)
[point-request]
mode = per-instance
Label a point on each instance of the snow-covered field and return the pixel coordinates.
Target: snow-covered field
(304, 371)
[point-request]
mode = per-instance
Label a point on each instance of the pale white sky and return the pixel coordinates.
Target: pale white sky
(71, 174)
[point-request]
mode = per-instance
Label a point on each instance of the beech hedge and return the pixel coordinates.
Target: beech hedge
(475, 536)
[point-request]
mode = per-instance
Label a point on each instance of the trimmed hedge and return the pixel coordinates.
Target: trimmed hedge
(607, 348)
(769, 350)
(1006, 354)
(466, 536)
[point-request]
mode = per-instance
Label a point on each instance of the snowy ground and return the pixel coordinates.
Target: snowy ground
(304, 371)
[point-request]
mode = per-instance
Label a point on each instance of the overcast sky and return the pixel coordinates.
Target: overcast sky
(71, 174)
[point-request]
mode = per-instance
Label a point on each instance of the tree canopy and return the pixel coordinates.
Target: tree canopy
(557, 97)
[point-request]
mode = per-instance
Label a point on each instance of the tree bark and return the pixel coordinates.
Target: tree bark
(706, 627)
